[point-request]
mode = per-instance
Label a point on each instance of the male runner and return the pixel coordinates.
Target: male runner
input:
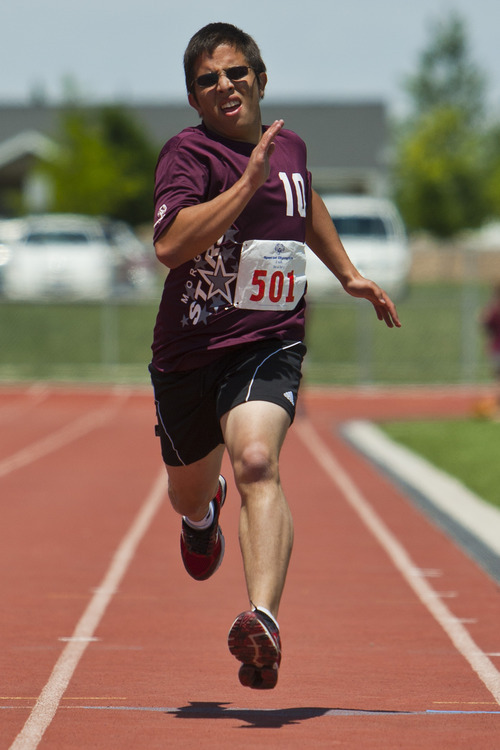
(234, 208)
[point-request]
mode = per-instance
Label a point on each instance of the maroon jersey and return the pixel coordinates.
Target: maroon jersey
(249, 285)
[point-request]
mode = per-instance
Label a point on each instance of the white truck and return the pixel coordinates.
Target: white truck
(374, 237)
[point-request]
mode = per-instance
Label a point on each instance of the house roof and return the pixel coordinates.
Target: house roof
(23, 145)
(345, 140)
(20, 153)
(337, 134)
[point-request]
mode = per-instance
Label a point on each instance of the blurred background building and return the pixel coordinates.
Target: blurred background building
(347, 143)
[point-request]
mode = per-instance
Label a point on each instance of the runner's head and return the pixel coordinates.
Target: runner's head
(212, 36)
(224, 87)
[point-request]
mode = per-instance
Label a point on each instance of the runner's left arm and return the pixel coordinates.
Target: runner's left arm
(324, 241)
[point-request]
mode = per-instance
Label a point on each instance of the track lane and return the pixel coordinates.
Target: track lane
(364, 661)
(416, 578)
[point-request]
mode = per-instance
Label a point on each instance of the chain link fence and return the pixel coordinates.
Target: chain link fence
(440, 342)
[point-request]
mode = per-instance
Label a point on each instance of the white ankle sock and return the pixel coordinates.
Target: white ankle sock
(205, 522)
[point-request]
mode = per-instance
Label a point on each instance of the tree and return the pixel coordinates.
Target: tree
(439, 183)
(105, 165)
(492, 171)
(439, 168)
(446, 76)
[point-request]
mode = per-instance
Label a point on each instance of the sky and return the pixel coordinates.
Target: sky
(315, 50)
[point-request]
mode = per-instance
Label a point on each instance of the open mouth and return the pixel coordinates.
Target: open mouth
(231, 106)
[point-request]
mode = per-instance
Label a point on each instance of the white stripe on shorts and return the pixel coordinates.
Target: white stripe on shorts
(160, 418)
(281, 349)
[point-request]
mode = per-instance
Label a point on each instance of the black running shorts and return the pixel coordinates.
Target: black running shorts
(190, 404)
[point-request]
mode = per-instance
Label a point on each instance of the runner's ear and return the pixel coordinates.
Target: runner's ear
(262, 78)
(193, 102)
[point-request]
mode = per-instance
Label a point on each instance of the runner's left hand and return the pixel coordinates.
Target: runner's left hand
(384, 306)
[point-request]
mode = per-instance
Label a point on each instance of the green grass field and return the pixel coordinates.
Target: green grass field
(465, 448)
(440, 340)
(76, 341)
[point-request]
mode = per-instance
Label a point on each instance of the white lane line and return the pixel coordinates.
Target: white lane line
(47, 704)
(459, 636)
(62, 437)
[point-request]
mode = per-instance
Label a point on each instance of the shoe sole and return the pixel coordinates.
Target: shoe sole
(250, 642)
(258, 679)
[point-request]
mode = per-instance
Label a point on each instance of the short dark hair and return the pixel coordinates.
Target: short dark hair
(212, 36)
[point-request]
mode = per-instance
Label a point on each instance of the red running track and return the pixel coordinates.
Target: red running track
(390, 631)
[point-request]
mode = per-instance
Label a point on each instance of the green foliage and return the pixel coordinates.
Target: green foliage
(439, 175)
(105, 166)
(441, 168)
(492, 171)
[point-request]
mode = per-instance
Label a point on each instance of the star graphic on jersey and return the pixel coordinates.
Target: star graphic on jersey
(189, 290)
(217, 302)
(229, 257)
(230, 236)
(219, 280)
(204, 315)
(200, 263)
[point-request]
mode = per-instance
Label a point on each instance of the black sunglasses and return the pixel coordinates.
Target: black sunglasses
(237, 73)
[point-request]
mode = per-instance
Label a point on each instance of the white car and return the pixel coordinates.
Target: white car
(374, 237)
(70, 256)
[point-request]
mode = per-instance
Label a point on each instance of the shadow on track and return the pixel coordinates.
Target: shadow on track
(267, 718)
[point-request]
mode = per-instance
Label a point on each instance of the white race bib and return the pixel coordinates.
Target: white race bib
(271, 275)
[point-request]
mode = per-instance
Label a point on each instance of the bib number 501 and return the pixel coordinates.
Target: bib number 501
(271, 275)
(273, 287)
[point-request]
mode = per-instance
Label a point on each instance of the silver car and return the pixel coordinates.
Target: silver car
(72, 256)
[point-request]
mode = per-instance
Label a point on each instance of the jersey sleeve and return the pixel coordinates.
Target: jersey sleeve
(181, 180)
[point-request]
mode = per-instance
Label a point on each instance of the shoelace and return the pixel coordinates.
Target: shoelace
(200, 542)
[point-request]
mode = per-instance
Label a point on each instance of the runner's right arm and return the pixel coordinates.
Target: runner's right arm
(196, 228)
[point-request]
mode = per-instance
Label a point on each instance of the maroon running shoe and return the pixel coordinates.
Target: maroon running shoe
(254, 639)
(202, 550)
